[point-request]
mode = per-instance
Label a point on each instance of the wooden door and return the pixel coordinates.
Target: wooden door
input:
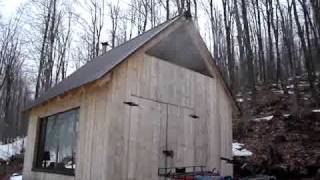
(158, 127)
(146, 139)
(181, 137)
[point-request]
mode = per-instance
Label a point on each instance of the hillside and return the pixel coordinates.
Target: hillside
(282, 129)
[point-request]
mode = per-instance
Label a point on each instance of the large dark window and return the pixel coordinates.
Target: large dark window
(57, 142)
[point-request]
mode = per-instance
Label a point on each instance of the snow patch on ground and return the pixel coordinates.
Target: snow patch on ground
(278, 91)
(267, 118)
(240, 99)
(290, 86)
(290, 92)
(316, 110)
(8, 150)
(286, 115)
(16, 177)
(304, 85)
(238, 150)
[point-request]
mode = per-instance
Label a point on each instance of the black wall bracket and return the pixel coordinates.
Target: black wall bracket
(194, 116)
(168, 153)
(130, 103)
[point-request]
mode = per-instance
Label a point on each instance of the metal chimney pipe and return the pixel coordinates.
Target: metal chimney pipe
(104, 47)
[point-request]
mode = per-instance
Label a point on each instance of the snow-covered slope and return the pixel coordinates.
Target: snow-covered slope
(8, 150)
(16, 176)
(238, 150)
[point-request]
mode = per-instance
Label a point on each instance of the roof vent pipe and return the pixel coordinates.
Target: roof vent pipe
(104, 47)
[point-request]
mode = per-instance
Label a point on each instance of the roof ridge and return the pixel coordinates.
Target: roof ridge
(139, 35)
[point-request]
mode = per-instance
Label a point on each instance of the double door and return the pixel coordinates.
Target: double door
(162, 135)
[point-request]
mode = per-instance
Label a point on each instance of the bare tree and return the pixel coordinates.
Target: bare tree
(306, 52)
(287, 36)
(12, 88)
(167, 9)
(262, 64)
(275, 27)
(195, 11)
(54, 41)
(227, 24)
(46, 21)
(250, 75)
(64, 40)
(114, 16)
(97, 12)
(240, 40)
(316, 11)
(214, 20)
(269, 14)
(181, 5)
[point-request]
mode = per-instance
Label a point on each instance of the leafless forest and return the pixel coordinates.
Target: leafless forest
(253, 42)
(268, 52)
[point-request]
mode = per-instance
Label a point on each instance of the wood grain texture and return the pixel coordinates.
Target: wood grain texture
(117, 141)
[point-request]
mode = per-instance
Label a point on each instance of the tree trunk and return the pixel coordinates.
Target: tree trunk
(275, 27)
(240, 42)
(250, 75)
(269, 10)
(227, 24)
(260, 43)
(42, 51)
(307, 56)
(167, 9)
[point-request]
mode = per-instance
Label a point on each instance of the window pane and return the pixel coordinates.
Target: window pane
(59, 142)
(50, 142)
(66, 140)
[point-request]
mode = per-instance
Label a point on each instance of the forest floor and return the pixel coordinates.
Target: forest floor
(12, 169)
(281, 127)
(11, 158)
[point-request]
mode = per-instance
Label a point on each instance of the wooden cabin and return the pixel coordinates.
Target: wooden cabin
(156, 101)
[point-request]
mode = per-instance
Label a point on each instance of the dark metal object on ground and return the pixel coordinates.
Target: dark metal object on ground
(186, 172)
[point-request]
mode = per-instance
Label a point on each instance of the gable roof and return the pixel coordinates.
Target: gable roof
(101, 65)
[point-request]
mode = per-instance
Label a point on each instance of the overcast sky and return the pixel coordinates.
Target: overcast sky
(8, 7)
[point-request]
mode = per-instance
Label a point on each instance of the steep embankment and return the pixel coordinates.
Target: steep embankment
(281, 126)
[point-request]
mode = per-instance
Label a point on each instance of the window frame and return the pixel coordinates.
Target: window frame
(40, 140)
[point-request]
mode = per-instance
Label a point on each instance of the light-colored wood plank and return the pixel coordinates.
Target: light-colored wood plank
(115, 139)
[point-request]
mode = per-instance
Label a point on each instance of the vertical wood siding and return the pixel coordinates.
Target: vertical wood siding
(117, 141)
